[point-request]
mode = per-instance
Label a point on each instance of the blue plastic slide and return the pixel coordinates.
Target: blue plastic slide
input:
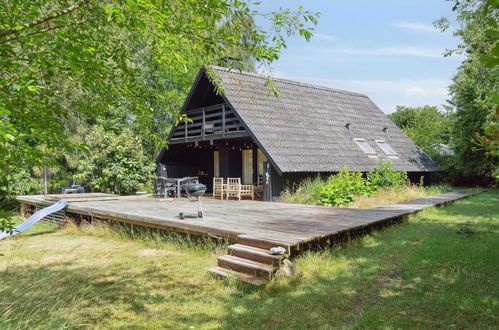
(34, 219)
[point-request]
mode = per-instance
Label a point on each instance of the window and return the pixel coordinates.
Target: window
(365, 147)
(247, 166)
(386, 148)
(260, 159)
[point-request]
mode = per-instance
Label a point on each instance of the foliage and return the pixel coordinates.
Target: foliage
(342, 188)
(6, 223)
(116, 163)
(420, 274)
(65, 63)
(474, 91)
(427, 127)
(307, 192)
(345, 187)
(385, 177)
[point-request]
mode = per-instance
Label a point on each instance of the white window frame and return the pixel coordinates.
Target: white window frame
(370, 153)
(379, 142)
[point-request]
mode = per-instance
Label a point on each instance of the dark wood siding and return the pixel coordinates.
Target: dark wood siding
(290, 181)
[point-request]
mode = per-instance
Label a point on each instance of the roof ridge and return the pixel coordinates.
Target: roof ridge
(287, 81)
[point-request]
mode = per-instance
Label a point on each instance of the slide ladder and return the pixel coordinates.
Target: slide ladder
(34, 219)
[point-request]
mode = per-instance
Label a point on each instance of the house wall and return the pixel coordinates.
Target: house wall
(290, 180)
(181, 161)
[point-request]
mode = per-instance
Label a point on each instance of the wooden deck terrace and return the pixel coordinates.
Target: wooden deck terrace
(292, 226)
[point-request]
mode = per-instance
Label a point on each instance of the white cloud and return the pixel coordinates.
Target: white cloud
(415, 26)
(386, 51)
(326, 37)
(415, 91)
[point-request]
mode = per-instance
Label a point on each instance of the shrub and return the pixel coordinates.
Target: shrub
(308, 192)
(116, 162)
(386, 177)
(341, 188)
(344, 187)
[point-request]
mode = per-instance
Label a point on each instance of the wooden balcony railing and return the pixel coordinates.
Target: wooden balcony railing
(216, 120)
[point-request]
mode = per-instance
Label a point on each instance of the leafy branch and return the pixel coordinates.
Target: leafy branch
(44, 19)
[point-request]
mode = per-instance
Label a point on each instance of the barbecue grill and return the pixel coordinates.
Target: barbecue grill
(194, 192)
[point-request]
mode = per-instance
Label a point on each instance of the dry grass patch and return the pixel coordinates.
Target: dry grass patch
(398, 195)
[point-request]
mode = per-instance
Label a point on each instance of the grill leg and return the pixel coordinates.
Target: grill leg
(200, 210)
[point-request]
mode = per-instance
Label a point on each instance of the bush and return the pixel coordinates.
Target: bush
(341, 188)
(116, 163)
(308, 192)
(386, 177)
(344, 187)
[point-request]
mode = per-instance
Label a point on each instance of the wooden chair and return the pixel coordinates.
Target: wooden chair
(233, 188)
(218, 187)
(258, 189)
(247, 190)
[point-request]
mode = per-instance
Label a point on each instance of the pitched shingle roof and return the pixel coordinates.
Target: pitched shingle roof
(303, 129)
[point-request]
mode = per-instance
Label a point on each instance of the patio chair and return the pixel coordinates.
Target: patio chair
(233, 188)
(247, 190)
(72, 188)
(163, 188)
(258, 189)
(167, 187)
(218, 187)
(158, 187)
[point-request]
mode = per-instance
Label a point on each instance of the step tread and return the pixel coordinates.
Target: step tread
(254, 250)
(264, 239)
(241, 276)
(247, 263)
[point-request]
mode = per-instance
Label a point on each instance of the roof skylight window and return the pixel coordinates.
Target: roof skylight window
(365, 147)
(386, 148)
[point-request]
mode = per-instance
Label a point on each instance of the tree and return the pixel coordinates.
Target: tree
(427, 126)
(62, 60)
(474, 91)
(117, 163)
(68, 65)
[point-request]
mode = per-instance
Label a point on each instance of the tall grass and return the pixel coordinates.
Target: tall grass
(308, 192)
(398, 195)
(152, 237)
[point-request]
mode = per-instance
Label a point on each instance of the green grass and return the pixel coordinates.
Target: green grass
(438, 269)
(308, 192)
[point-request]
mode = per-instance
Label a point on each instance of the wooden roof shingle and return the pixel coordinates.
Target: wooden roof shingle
(303, 128)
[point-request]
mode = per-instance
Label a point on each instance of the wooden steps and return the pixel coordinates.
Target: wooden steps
(226, 273)
(249, 260)
(260, 242)
(254, 254)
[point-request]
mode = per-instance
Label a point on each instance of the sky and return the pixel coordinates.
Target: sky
(386, 49)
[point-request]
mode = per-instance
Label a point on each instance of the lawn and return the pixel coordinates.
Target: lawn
(439, 268)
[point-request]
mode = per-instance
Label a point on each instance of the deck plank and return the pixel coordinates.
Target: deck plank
(286, 224)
